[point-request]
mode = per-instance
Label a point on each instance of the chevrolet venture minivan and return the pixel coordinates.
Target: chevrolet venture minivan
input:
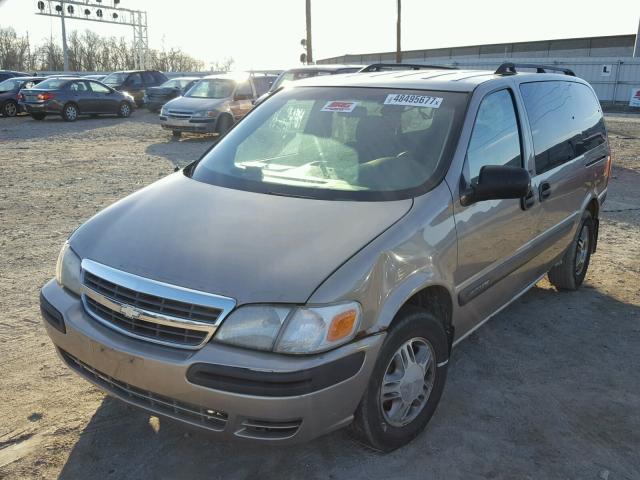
(315, 267)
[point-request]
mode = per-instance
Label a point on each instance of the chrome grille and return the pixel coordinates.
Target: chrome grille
(179, 114)
(194, 414)
(150, 310)
(167, 333)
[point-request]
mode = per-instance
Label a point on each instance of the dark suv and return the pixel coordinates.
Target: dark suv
(135, 82)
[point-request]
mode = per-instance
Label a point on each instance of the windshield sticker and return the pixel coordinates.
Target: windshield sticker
(339, 106)
(413, 100)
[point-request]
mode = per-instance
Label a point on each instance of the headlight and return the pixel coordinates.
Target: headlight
(295, 330)
(253, 326)
(68, 269)
(163, 112)
(206, 113)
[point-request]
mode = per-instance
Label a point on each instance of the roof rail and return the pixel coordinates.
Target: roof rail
(379, 67)
(509, 68)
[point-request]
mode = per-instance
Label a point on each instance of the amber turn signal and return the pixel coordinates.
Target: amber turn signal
(342, 325)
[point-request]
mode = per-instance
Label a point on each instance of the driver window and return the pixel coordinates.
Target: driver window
(495, 139)
(244, 92)
(135, 80)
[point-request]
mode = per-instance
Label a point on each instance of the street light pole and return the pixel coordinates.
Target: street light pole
(65, 52)
(399, 33)
(309, 51)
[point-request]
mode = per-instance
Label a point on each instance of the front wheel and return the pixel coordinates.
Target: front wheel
(10, 109)
(124, 110)
(406, 383)
(570, 273)
(70, 112)
(225, 122)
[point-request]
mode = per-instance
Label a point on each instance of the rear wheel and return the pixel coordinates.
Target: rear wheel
(10, 108)
(70, 112)
(225, 122)
(570, 273)
(38, 116)
(124, 110)
(406, 383)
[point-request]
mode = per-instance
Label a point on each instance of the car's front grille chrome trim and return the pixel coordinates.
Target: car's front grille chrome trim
(150, 310)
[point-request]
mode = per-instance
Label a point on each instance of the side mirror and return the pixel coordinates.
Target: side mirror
(497, 182)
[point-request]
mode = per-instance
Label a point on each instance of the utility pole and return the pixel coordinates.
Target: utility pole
(636, 48)
(65, 52)
(399, 33)
(308, 46)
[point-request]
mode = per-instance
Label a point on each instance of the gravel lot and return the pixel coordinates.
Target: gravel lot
(550, 388)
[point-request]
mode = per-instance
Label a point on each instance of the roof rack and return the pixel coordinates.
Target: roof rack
(509, 68)
(379, 67)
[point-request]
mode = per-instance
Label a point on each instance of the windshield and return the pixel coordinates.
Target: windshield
(116, 78)
(211, 88)
(52, 83)
(338, 143)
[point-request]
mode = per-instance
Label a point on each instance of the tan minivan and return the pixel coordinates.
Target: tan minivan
(314, 269)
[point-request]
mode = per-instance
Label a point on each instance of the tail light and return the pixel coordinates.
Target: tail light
(45, 96)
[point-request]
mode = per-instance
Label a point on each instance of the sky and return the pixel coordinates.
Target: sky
(266, 34)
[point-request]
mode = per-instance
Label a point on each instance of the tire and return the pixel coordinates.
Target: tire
(10, 108)
(70, 112)
(38, 116)
(570, 273)
(176, 134)
(124, 110)
(225, 122)
(377, 424)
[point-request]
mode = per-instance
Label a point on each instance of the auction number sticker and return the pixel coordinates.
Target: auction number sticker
(339, 106)
(408, 100)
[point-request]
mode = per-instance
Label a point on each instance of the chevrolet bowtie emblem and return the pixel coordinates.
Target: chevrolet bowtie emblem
(129, 311)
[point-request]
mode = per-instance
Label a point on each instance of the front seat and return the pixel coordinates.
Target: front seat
(376, 137)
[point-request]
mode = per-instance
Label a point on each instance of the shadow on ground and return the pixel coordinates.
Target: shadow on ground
(181, 152)
(541, 391)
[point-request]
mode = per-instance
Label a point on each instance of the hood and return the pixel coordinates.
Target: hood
(195, 104)
(249, 246)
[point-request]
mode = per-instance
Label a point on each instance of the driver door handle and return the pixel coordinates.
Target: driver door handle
(544, 191)
(528, 201)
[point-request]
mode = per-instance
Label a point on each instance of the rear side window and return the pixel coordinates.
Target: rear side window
(495, 139)
(159, 77)
(566, 121)
(148, 78)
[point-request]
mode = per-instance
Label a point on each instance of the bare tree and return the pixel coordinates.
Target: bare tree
(89, 52)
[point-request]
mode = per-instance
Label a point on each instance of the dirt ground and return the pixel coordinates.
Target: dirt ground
(549, 388)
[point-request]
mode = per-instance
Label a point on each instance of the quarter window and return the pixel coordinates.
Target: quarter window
(566, 121)
(495, 139)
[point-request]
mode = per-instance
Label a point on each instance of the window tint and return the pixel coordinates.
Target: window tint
(159, 77)
(566, 121)
(588, 115)
(148, 78)
(244, 90)
(495, 139)
(135, 80)
(98, 88)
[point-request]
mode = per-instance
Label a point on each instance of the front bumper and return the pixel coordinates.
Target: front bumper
(247, 406)
(193, 125)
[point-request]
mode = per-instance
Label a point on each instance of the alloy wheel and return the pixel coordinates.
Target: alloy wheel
(408, 381)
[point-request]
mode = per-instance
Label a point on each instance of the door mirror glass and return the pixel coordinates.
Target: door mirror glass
(497, 182)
